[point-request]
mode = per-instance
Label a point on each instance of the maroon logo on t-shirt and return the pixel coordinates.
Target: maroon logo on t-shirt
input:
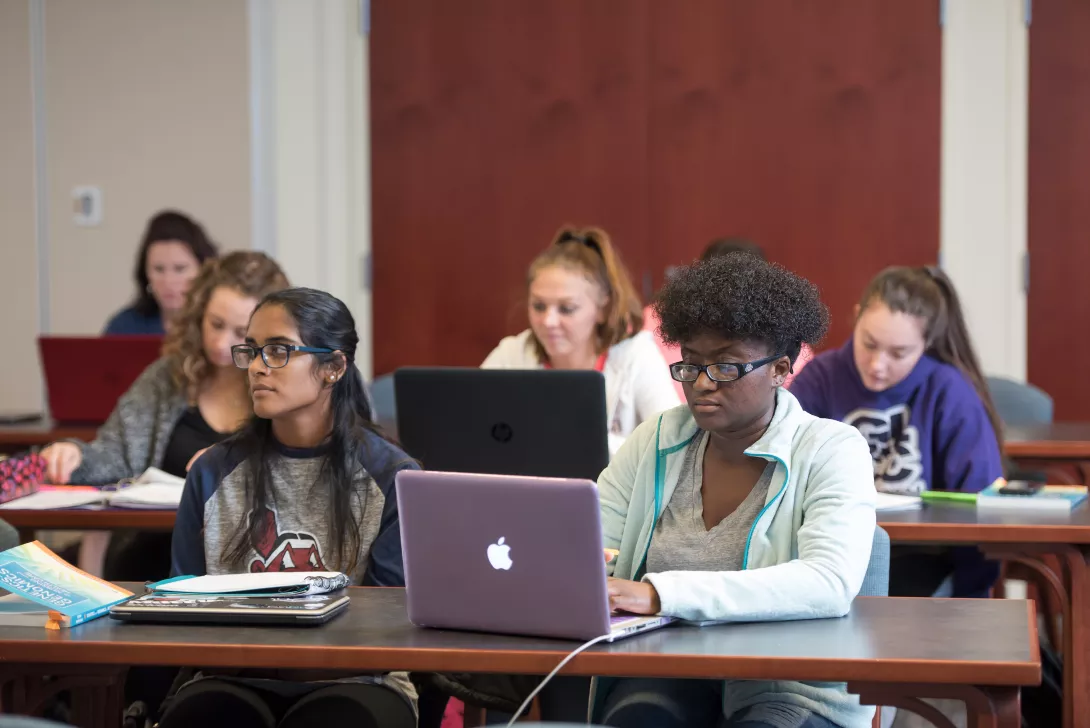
(285, 551)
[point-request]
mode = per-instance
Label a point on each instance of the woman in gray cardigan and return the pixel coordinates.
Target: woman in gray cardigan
(188, 400)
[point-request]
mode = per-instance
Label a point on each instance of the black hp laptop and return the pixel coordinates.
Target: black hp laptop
(504, 421)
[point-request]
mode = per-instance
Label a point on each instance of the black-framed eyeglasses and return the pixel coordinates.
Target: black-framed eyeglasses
(275, 356)
(720, 372)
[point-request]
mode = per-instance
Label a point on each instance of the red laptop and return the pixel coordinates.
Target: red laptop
(86, 375)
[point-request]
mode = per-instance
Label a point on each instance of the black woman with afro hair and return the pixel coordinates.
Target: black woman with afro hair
(741, 506)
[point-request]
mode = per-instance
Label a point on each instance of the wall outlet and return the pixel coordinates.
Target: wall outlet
(87, 205)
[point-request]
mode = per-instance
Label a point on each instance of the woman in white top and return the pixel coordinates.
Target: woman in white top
(585, 314)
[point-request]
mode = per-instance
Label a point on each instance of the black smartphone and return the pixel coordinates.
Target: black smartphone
(1021, 487)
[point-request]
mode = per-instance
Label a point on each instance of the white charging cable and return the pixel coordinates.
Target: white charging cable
(541, 685)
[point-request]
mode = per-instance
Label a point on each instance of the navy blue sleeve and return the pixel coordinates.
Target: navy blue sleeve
(386, 567)
(187, 545)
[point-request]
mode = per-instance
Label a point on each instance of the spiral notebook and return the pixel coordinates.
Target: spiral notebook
(312, 597)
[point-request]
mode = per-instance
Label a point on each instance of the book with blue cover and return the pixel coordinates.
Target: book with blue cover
(1048, 499)
(70, 595)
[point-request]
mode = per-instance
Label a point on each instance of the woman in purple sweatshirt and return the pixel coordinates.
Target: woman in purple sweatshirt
(909, 380)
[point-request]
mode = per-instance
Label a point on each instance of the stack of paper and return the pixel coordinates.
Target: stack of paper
(263, 584)
(153, 490)
(888, 502)
(49, 497)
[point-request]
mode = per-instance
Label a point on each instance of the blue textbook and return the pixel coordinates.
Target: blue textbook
(71, 596)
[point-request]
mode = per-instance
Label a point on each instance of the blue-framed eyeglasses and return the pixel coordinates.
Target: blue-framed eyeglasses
(720, 372)
(275, 356)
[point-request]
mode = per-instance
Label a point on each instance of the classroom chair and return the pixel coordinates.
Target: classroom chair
(876, 584)
(383, 404)
(1020, 404)
(19, 721)
(876, 580)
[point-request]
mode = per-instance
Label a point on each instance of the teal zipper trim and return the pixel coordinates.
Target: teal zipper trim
(753, 527)
(660, 458)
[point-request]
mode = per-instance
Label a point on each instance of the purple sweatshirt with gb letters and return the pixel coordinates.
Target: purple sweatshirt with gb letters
(928, 432)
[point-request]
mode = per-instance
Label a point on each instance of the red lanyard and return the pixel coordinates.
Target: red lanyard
(599, 366)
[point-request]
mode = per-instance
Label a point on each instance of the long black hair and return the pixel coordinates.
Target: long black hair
(323, 321)
(167, 225)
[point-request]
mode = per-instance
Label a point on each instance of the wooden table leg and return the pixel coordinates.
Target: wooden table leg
(97, 691)
(985, 707)
(1077, 636)
(1070, 589)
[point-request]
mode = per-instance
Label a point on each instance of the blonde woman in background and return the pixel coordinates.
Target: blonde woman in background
(585, 314)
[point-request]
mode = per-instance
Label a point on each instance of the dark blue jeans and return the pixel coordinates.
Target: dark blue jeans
(661, 703)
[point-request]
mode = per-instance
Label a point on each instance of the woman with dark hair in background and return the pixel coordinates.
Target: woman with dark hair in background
(585, 314)
(171, 254)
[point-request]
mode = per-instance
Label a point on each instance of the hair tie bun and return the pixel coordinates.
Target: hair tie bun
(569, 236)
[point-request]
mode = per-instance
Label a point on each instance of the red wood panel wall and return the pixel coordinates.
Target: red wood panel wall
(1059, 203)
(810, 127)
(494, 123)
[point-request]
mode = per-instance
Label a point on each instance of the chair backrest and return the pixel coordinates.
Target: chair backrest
(876, 581)
(383, 403)
(19, 721)
(1018, 403)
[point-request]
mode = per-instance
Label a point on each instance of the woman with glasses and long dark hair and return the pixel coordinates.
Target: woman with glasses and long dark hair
(740, 507)
(307, 485)
(585, 313)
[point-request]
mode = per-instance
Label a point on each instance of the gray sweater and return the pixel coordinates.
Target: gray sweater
(135, 436)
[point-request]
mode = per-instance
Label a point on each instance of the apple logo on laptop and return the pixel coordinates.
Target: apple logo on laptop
(499, 555)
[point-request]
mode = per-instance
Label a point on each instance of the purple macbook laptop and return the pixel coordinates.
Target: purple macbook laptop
(510, 554)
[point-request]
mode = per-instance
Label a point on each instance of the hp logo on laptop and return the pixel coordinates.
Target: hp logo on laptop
(502, 432)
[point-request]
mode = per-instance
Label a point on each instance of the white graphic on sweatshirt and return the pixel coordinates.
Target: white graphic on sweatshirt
(894, 446)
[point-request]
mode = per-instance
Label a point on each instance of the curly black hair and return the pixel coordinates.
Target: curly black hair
(743, 298)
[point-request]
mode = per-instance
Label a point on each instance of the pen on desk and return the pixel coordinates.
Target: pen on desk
(948, 495)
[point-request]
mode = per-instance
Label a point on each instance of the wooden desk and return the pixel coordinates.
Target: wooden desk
(1055, 549)
(82, 519)
(1059, 441)
(891, 651)
(1062, 450)
(15, 438)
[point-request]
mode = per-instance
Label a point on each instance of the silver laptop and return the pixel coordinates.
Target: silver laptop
(511, 554)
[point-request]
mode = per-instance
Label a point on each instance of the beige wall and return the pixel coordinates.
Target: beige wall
(150, 101)
(19, 381)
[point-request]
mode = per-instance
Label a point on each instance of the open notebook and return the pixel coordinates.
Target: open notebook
(889, 502)
(153, 490)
